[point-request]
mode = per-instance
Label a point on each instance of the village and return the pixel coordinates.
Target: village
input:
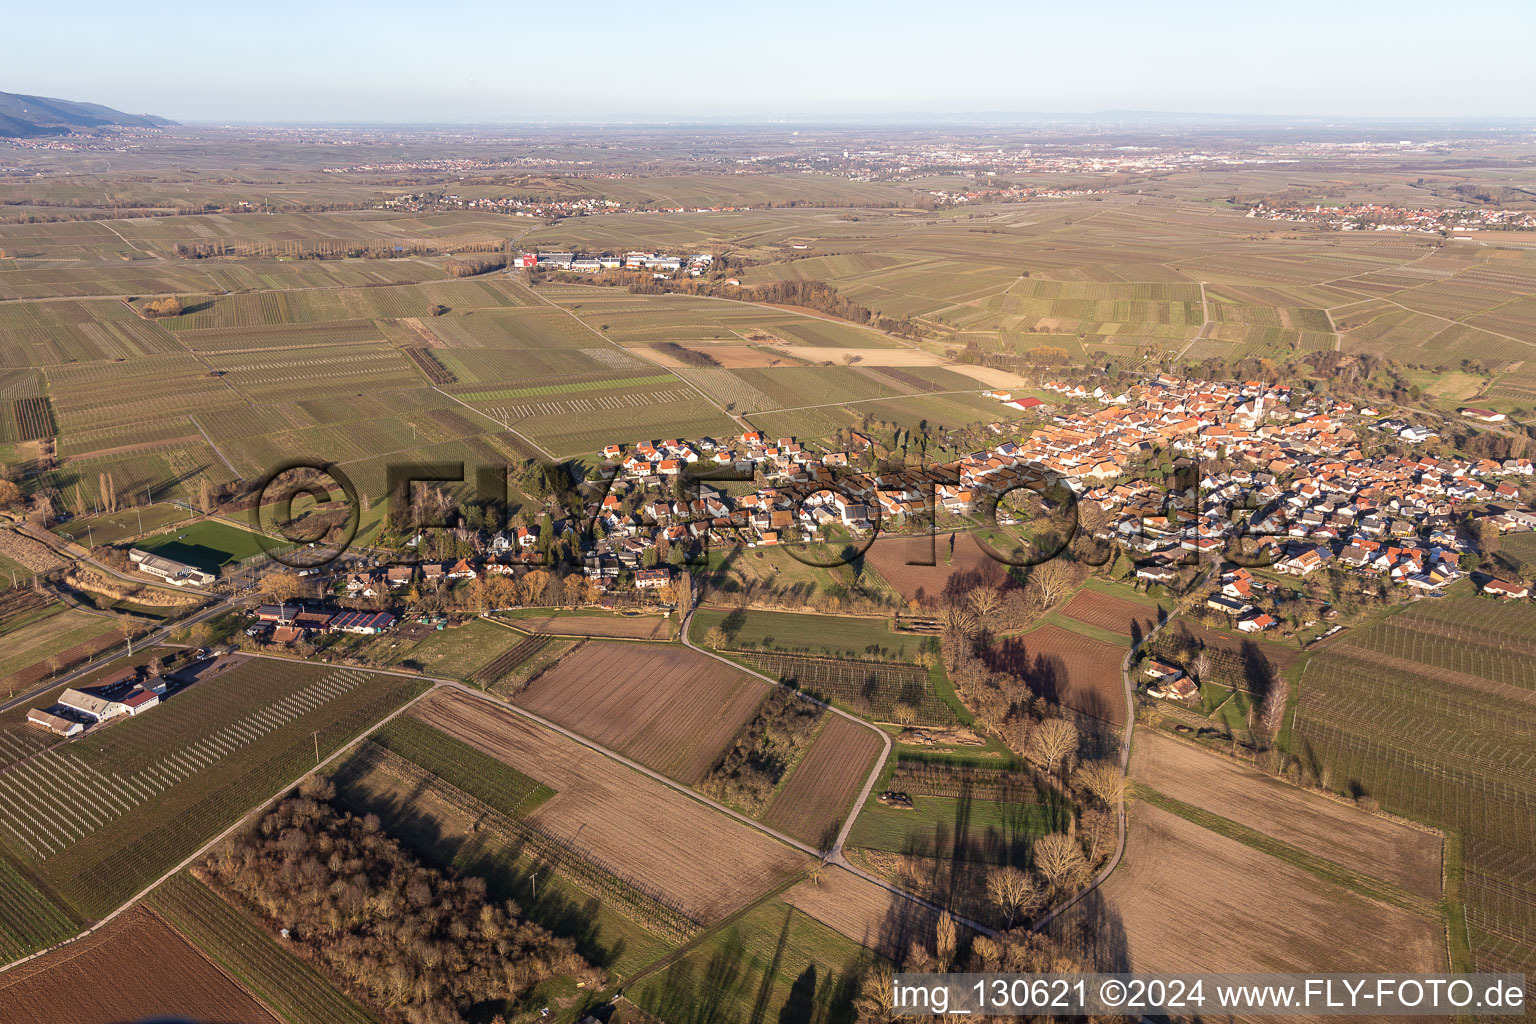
(1177, 474)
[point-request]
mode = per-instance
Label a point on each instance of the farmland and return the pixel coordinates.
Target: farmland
(706, 863)
(775, 963)
(821, 788)
(1066, 667)
(1430, 712)
(319, 317)
(670, 709)
(592, 624)
(1395, 852)
(67, 638)
(946, 564)
(99, 818)
(873, 689)
(618, 920)
(175, 980)
(1244, 910)
(233, 940)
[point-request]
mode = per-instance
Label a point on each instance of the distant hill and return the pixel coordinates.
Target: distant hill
(31, 116)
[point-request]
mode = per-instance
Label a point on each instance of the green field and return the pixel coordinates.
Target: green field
(209, 545)
(66, 635)
(773, 963)
(827, 635)
(952, 828)
(482, 776)
(457, 653)
(113, 528)
(99, 818)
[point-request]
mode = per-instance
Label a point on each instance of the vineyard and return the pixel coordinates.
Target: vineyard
(26, 419)
(17, 603)
(917, 777)
(1443, 746)
(29, 920)
(100, 817)
(243, 949)
(508, 660)
(869, 688)
(435, 371)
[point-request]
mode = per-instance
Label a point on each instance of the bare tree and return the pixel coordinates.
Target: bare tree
(1103, 779)
(1272, 713)
(946, 940)
(984, 601)
(1014, 892)
(1060, 859)
(279, 586)
(1202, 665)
(1054, 740)
(904, 714)
(1053, 580)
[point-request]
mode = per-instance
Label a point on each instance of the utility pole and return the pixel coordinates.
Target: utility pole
(316, 735)
(89, 536)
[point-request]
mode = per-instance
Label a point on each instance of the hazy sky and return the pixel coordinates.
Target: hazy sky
(281, 60)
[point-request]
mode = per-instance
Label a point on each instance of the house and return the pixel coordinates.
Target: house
(1255, 623)
(1158, 574)
(462, 570)
(55, 723)
(1302, 564)
(362, 584)
(397, 576)
(1181, 688)
(1222, 603)
(646, 579)
(1507, 590)
(1163, 671)
(286, 634)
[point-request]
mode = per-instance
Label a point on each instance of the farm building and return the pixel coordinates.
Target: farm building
(1484, 415)
(178, 574)
(286, 634)
(140, 701)
(367, 623)
(98, 709)
(1506, 589)
(55, 723)
(312, 620)
(282, 614)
